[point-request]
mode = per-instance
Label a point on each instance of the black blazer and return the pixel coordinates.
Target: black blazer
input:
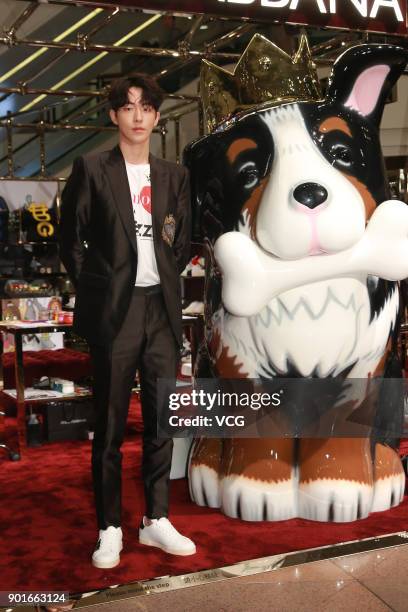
(98, 240)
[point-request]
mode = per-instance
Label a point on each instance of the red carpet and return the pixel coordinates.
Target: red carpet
(48, 529)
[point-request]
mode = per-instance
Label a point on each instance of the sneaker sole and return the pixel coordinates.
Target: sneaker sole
(171, 551)
(106, 564)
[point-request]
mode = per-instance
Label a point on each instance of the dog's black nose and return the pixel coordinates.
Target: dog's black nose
(310, 194)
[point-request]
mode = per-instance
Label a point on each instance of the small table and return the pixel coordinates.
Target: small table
(19, 329)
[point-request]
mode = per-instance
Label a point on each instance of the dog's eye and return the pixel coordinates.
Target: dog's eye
(341, 155)
(249, 175)
(250, 178)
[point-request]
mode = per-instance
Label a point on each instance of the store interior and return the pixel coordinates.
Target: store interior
(58, 60)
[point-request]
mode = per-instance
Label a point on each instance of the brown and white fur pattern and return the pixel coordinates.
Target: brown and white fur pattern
(318, 329)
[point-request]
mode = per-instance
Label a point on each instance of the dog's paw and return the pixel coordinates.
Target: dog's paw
(340, 501)
(389, 479)
(204, 486)
(204, 470)
(388, 492)
(257, 500)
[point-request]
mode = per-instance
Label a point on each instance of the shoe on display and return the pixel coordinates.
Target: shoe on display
(195, 267)
(190, 308)
(197, 271)
(162, 534)
(194, 308)
(187, 270)
(198, 266)
(186, 369)
(108, 547)
(200, 308)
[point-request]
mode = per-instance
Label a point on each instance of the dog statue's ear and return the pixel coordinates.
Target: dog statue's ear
(363, 76)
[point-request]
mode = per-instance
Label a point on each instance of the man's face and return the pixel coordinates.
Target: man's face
(136, 119)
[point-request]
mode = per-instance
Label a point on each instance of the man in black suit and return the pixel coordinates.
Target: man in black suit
(124, 240)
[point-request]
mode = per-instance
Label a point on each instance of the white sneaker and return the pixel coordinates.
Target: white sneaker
(107, 551)
(190, 309)
(162, 534)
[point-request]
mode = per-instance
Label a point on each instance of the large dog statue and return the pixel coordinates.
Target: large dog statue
(304, 248)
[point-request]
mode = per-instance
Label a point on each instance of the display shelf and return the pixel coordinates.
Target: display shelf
(31, 327)
(35, 396)
(18, 296)
(18, 329)
(195, 277)
(32, 242)
(33, 275)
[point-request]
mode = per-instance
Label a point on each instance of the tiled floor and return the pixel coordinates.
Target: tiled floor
(372, 581)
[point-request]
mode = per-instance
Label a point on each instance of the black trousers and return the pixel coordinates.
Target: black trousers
(145, 342)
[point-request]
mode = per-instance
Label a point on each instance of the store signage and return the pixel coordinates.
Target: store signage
(372, 15)
(331, 6)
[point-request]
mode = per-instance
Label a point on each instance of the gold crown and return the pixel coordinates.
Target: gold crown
(264, 73)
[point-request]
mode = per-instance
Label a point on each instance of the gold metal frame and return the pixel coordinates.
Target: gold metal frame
(183, 55)
(174, 115)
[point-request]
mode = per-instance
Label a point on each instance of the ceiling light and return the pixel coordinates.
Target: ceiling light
(42, 50)
(93, 61)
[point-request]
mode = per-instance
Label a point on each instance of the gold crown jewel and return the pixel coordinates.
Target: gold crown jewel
(264, 73)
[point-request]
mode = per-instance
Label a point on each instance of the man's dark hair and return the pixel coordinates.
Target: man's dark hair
(152, 92)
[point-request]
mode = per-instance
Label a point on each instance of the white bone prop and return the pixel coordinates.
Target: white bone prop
(252, 277)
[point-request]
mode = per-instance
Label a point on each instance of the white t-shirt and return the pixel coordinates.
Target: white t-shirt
(140, 189)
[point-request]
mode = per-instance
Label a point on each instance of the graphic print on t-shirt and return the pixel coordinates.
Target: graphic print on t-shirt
(142, 206)
(145, 197)
(141, 193)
